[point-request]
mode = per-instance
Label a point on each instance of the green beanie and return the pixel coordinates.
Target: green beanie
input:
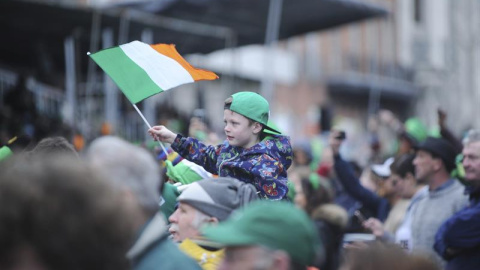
(5, 152)
(170, 194)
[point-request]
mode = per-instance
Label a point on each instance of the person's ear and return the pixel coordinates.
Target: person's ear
(213, 220)
(257, 128)
(438, 163)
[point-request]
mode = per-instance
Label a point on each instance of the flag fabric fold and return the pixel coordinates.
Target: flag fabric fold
(141, 70)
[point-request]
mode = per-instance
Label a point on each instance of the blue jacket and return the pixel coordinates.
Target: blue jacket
(264, 165)
(378, 205)
(458, 239)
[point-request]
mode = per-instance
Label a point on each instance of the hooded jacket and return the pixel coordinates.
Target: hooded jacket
(263, 165)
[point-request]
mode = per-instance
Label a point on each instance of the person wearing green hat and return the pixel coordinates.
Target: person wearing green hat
(254, 152)
(266, 235)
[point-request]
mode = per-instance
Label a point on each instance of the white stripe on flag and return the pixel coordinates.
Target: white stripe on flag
(164, 71)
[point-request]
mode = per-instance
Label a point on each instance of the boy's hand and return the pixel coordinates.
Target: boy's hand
(162, 133)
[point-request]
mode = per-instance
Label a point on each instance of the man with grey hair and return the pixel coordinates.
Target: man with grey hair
(458, 239)
(135, 173)
(208, 201)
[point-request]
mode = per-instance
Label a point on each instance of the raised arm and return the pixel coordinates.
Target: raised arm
(197, 152)
(352, 185)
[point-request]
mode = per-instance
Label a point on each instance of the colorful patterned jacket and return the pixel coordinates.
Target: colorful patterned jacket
(264, 165)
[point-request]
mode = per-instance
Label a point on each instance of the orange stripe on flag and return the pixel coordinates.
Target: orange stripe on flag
(197, 74)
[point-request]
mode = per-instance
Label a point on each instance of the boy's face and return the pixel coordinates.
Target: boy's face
(239, 131)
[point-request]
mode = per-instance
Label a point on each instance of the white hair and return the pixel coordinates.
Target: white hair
(473, 135)
(199, 219)
(128, 166)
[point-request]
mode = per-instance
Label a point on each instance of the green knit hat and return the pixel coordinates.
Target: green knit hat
(253, 106)
(186, 172)
(170, 194)
(5, 152)
(275, 225)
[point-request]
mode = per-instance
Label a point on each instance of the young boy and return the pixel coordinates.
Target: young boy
(249, 153)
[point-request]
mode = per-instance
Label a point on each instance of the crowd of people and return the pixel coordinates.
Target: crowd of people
(254, 201)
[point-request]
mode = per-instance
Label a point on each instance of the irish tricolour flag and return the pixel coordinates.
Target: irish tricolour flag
(141, 70)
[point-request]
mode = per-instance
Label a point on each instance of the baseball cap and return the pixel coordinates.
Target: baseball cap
(253, 106)
(383, 170)
(275, 225)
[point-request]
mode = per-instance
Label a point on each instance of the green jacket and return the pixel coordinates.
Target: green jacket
(153, 250)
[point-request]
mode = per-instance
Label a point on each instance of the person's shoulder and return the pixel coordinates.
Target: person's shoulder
(459, 191)
(277, 143)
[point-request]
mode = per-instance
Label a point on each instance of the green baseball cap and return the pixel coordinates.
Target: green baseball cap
(253, 106)
(186, 172)
(275, 225)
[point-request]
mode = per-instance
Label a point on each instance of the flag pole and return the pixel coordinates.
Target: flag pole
(146, 122)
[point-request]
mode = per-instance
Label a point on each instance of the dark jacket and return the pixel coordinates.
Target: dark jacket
(458, 239)
(330, 221)
(376, 204)
(264, 165)
(153, 250)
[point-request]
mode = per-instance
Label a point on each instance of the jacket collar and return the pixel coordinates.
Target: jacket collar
(153, 231)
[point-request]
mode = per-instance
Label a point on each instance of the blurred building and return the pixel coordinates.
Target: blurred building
(53, 53)
(423, 55)
(349, 71)
(442, 46)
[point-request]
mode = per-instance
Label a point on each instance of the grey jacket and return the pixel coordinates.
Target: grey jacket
(432, 210)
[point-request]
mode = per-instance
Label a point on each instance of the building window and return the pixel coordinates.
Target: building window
(418, 10)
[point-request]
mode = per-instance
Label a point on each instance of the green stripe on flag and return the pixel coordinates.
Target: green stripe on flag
(129, 77)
